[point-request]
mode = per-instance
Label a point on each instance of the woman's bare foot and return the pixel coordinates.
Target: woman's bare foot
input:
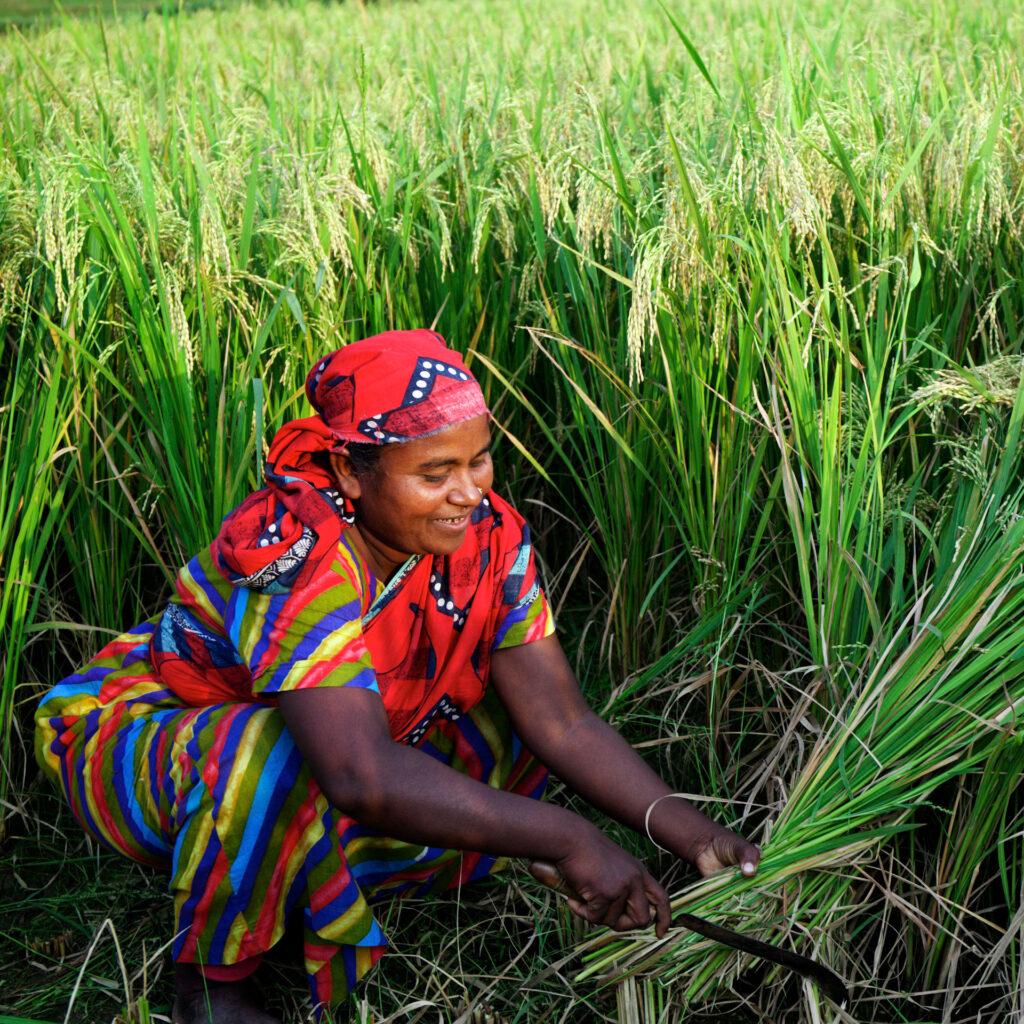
(198, 1000)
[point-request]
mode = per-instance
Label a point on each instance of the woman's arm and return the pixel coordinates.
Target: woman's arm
(541, 694)
(343, 734)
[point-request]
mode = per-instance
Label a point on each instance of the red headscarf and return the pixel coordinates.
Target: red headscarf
(385, 389)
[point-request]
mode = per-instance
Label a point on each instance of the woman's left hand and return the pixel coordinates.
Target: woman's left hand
(722, 849)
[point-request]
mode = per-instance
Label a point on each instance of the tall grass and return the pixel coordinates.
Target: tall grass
(743, 285)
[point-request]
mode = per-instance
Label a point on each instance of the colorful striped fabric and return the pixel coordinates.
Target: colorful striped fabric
(202, 778)
(423, 641)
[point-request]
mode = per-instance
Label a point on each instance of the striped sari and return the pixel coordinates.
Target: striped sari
(213, 789)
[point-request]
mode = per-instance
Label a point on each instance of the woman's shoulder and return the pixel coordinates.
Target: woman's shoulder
(203, 581)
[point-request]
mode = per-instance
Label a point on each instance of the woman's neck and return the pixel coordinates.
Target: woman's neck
(383, 561)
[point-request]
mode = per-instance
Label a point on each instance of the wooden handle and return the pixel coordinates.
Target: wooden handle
(547, 873)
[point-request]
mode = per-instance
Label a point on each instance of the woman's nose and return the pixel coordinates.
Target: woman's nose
(464, 491)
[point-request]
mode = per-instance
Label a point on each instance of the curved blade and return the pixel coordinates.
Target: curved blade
(827, 980)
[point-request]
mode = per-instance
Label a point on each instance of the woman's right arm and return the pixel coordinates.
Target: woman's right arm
(407, 794)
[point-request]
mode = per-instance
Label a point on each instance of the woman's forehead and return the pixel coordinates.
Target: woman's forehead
(458, 443)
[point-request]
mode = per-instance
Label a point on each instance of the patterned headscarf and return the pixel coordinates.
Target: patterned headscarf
(386, 389)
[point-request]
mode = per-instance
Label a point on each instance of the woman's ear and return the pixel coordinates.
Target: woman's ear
(345, 476)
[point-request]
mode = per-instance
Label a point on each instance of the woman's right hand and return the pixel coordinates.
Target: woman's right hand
(608, 886)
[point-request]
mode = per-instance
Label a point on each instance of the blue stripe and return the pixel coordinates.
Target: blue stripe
(274, 606)
(365, 679)
(153, 697)
(484, 867)
(73, 689)
(236, 612)
(514, 616)
(358, 562)
(193, 804)
(373, 936)
(348, 955)
(195, 567)
(272, 790)
(296, 889)
(468, 729)
(131, 810)
(374, 872)
(227, 756)
(479, 743)
(58, 748)
(200, 881)
(194, 747)
(92, 724)
(140, 652)
(154, 774)
(168, 786)
(333, 910)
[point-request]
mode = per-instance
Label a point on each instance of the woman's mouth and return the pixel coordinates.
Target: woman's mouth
(453, 522)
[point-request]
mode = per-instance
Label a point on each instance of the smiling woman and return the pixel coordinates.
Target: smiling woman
(356, 692)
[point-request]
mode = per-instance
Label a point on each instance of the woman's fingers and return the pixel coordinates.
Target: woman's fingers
(658, 898)
(633, 909)
(615, 910)
(593, 911)
(647, 901)
(750, 857)
(638, 911)
(726, 849)
(609, 913)
(745, 854)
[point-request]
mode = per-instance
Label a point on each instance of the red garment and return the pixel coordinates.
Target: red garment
(432, 633)
(231, 972)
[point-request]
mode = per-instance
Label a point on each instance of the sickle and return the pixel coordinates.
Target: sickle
(828, 981)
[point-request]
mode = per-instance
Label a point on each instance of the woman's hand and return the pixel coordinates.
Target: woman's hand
(540, 692)
(721, 849)
(609, 886)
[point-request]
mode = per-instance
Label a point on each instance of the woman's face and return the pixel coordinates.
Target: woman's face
(419, 497)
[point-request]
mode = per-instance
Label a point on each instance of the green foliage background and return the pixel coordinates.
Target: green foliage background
(743, 283)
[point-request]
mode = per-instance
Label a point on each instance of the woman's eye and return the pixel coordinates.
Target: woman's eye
(479, 464)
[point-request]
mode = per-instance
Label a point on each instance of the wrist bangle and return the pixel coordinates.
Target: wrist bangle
(647, 820)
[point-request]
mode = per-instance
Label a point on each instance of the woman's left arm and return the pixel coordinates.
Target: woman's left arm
(543, 699)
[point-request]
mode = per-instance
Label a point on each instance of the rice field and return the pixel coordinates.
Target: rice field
(744, 285)
(19, 13)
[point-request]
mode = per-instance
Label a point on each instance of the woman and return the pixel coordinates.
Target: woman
(356, 692)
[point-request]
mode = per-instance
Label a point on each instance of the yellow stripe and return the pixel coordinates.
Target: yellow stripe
(252, 626)
(197, 592)
(238, 930)
(328, 648)
(200, 827)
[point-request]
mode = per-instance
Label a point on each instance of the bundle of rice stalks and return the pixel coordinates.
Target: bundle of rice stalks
(943, 700)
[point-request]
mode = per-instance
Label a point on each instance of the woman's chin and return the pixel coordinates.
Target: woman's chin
(446, 540)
